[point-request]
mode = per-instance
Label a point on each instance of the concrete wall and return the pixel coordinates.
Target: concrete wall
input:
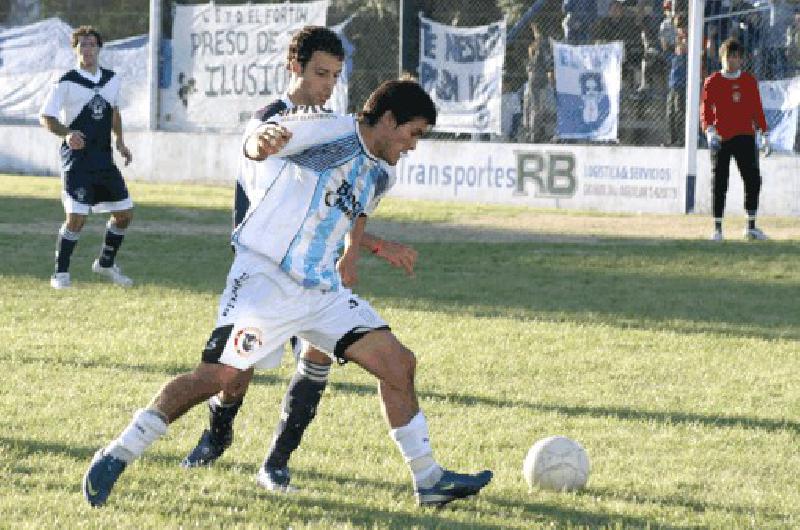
(604, 178)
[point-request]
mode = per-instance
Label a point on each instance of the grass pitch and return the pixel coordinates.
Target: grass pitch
(673, 360)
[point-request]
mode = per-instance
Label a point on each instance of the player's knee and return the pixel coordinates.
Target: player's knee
(403, 363)
(315, 356)
(122, 219)
(75, 222)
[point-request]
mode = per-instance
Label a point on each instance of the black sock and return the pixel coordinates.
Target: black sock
(65, 244)
(111, 244)
(297, 410)
(220, 418)
(751, 220)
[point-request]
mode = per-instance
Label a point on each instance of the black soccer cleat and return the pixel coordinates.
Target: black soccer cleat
(208, 449)
(452, 486)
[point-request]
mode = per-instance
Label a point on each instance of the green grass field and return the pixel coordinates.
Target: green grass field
(673, 360)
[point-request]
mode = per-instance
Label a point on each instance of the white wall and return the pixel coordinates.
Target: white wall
(603, 178)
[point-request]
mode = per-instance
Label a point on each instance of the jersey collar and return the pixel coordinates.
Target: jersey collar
(93, 78)
(731, 75)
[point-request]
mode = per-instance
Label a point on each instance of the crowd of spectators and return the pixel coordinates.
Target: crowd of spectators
(654, 65)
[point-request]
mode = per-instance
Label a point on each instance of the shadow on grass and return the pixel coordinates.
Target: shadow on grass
(619, 413)
(663, 284)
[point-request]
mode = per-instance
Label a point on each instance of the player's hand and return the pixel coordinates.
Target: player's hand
(267, 141)
(348, 268)
(398, 255)
(124, 151)
(762, 141)
(75, 140)
(714, 139)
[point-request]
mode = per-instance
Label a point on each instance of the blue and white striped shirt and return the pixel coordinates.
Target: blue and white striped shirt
(330, 179)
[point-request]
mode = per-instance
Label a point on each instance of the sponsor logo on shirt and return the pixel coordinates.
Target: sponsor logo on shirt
(344, 199)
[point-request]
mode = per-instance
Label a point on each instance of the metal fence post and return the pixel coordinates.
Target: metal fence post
(152, 63)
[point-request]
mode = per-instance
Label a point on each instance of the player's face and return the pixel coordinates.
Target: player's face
(87, 51)
(397, 140)
(317, 79)
(731, 62)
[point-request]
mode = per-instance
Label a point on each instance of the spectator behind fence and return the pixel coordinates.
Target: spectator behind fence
(676, 96)
(711, 56)
(540, 63)
(666, 31)
(772, 62)
(619, 25)
(579, 15)
(793, 46)
(652, 60)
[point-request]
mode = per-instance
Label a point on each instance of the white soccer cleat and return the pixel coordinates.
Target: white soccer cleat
(60, 280)
(113, 273)
(716, 236)
(754, 234)
(275, 480)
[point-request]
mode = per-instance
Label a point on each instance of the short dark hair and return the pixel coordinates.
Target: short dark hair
(310, 39)
(85, 31)
(405, 98)
(731, 45)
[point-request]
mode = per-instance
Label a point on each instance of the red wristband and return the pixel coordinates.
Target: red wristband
(377, 248)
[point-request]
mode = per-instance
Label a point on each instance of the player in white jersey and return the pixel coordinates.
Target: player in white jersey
(86, 99)
(283, 283)
(314, 59)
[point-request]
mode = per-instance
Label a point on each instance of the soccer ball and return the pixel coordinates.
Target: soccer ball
(556, 463)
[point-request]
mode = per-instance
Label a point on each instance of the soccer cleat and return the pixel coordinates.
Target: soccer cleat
(103, 472)
(754, 234)
(208, 449)
(452, 486)
(716, 236)
(60, 280)
(113, 273)
(275, 479)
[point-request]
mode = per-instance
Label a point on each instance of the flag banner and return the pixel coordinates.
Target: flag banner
(587, 90)
(781, 99)
(230, 60)
(462, 70)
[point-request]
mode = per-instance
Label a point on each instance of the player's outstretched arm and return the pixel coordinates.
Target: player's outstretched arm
(348, 262)
(74, 139)
(116, 127)
(397, 254)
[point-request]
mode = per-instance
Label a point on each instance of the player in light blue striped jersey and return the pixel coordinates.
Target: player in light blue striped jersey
(283, 283)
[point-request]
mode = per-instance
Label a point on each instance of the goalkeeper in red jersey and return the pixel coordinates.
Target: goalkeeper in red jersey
(732, 118)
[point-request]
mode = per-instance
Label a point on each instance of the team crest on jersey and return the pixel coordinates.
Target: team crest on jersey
(344, 199)
(736, 96)
(247, 340)
(98, 106)
(80, 193)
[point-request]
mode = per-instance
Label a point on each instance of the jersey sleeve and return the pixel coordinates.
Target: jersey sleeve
(113, 92)
(382, 188)
(311, 128)
(54, 101)
(707, 110)
(758, 110)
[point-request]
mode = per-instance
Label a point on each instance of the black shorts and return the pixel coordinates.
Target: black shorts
(95, 187)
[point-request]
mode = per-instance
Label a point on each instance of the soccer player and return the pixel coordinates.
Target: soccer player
(731, 116)
(86, 98)
(283, 283)
(315, 61)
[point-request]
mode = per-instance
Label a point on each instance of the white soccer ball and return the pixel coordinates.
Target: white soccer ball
(557, 463)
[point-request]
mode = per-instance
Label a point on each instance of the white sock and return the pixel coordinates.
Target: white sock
(145, 428)
(414, 443)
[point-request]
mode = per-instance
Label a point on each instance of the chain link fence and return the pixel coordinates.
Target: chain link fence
(384, 38)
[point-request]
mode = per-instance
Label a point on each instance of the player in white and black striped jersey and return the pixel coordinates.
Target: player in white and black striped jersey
(86, 100)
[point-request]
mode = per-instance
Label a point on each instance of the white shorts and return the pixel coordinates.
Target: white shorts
(262, 307)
